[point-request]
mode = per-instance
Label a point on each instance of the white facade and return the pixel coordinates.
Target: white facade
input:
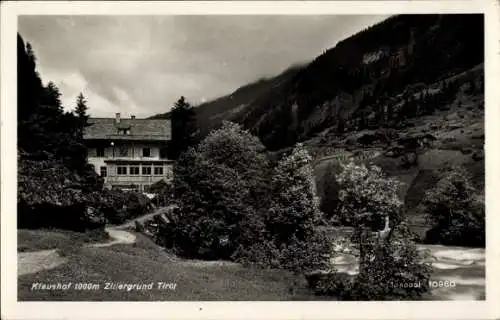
(128, 166)
(129, 153)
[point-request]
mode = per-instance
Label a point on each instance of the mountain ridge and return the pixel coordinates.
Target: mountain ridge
(354, 80)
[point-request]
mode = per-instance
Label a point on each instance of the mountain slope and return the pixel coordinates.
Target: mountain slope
(211, 114)
(380, 77)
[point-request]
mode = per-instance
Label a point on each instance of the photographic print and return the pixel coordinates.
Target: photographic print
(257, 157)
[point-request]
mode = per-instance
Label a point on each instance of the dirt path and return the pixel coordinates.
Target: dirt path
(143, 218)
(35, 261)
(32, 262)
(118, 236)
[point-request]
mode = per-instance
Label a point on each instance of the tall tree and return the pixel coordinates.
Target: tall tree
(294, 216)
(221, 186)
(387, 254)
(52, 97)
(184, 127)
(30, 53)
(81, 112)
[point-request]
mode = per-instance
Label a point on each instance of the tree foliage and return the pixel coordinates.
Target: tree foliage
(43, 125)
(81, 113)
(220, 186)
(390, 267)
(234, 205)
(184, 127)
(294, 216)
(367, 190)
(329, 191)
(456, 210)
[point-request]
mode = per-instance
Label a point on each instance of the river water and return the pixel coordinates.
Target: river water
(461, 271)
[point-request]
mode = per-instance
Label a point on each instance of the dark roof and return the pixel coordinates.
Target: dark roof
(140, 129)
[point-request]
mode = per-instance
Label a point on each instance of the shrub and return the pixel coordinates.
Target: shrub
(119, 206)
(52, 195)
(455, 210)
(391, 270)
(337, 285)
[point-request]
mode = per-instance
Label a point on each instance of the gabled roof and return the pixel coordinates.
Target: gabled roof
(140, 129)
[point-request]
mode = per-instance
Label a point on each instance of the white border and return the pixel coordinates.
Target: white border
(11, 309)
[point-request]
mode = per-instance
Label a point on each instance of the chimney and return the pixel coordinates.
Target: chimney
(132, 117)
(117, 119)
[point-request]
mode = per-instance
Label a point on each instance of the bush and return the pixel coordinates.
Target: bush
(391, 270)
(52, 195)
(119, 206)
(337, 285)
(455, 210)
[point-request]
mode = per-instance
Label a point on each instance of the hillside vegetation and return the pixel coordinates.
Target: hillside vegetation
(406, 94)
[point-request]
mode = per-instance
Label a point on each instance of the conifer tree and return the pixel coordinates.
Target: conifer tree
(81, 112)
(184, 127)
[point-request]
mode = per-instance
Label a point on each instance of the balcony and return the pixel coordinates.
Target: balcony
(138, 137)
(136, 179)
(137, 160)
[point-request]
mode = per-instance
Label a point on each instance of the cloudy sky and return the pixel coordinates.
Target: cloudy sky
(141, 64)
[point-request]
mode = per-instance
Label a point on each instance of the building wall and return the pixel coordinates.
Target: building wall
(134, 152)
(141, 180)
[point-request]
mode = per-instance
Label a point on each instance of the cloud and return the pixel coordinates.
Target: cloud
(142, 64)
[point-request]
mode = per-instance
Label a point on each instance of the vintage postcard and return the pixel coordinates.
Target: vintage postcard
(250, 159)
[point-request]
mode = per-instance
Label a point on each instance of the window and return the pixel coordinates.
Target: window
(163, 153)
(146, 171)
(134, 170)
(124, 131)
(121, 170)
(104, 171)
(123, 151)
(146, 152)
(158, 171)
(100, 152)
